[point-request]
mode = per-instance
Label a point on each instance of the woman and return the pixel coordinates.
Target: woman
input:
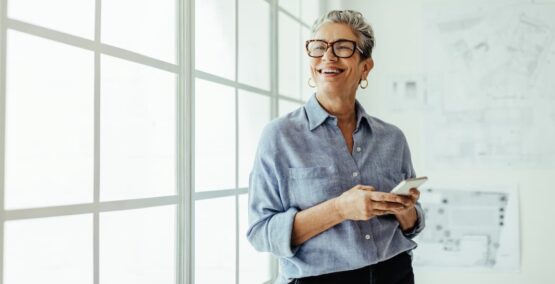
(319, 188)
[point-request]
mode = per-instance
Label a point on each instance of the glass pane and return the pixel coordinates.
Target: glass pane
(310, 11)
(214, 136)
(138, 246)
(49, 250)
(144, 26)
(254, 113)
(215, 37)
(69, 16)
(286, 107)
(305, 70)
(290, 48)
(254, 266)
(137, 124)
(215, 240)
(254, 43)
(49, 123)
(291, 6)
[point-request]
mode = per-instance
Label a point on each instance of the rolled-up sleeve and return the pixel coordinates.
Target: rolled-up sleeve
(420, 223)
(270, 222)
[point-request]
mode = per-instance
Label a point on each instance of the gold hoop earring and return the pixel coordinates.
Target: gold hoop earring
(365, 85)
(310, 85)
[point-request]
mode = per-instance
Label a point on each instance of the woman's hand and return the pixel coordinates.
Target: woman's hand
(407, 217)
(409, 201)
(363, 202)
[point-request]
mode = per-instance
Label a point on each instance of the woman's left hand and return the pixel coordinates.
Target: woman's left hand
(407, 215)
(408, 202)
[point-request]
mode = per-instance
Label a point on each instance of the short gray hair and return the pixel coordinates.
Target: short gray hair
(356, 22)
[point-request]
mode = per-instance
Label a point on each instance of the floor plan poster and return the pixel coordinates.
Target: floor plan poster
(469, 229)
(490, 90)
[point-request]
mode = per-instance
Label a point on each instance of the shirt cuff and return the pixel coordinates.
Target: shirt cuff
(420, 224)
(280, 230)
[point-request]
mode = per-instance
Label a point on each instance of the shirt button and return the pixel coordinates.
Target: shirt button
(355, 174)
(358, 149)
(367, 237)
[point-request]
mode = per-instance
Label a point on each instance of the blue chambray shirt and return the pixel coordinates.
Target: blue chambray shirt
(303, 160)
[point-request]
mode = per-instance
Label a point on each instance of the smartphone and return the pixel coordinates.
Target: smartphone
(403, 188)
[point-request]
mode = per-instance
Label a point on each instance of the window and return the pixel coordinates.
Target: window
(129, 130)
(233, 102)
(295, 18)
(89, 125)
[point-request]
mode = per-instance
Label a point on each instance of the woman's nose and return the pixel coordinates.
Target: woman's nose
(328, 55)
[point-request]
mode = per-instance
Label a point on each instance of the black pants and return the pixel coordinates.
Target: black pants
(397, 270)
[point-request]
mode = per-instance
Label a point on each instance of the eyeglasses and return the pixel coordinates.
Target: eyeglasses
(342, 48)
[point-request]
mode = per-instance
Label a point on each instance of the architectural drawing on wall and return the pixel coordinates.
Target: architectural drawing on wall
(469, 229)
(490, 87)
(406, 92)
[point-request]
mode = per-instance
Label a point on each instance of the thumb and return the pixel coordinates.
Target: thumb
(367, 188)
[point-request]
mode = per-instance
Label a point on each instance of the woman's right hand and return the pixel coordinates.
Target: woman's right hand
(363, 202)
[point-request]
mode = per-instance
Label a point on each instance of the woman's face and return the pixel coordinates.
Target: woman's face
(332, 74)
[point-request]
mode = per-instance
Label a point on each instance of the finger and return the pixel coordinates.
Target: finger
(415, 194)
(366, 187)
(406, 200)
(387, 206)
(387, 197)
(377, 212)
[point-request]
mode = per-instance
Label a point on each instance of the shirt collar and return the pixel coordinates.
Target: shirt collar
(318, 115)
(315, 112)
(361, 114)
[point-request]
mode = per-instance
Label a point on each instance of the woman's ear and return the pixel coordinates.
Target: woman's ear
(368, 64)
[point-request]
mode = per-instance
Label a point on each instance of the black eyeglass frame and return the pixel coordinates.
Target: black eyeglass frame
(328, 44)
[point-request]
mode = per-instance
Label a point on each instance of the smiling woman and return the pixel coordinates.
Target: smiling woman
(339, 71)
(317, 196)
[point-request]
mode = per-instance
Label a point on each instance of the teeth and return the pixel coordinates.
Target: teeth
(336, 71)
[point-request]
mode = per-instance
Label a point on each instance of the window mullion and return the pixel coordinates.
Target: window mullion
(185, 124)
(2, 127)
(237, 260)
(96, 175)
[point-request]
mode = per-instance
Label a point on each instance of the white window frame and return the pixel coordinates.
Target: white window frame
(181, 199)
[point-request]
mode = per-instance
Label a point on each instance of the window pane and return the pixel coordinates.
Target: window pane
(214, 136)
(137, 124)
(307, 91)
(138, 246)
(215, 241)
(49, 250)
(69, 16)
(254, 113)
(291, 6)
(286, 107)
(254, 266)
(49, 123)
(290, 48)
(215, 37)
(310, 11)
(254, 43)
(145, 26)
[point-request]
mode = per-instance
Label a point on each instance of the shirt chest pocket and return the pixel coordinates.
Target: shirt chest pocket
(314, 185)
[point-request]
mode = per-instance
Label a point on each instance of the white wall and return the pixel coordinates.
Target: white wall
(399, 49)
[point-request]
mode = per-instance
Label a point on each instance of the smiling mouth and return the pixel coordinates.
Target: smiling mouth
(330, 71)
